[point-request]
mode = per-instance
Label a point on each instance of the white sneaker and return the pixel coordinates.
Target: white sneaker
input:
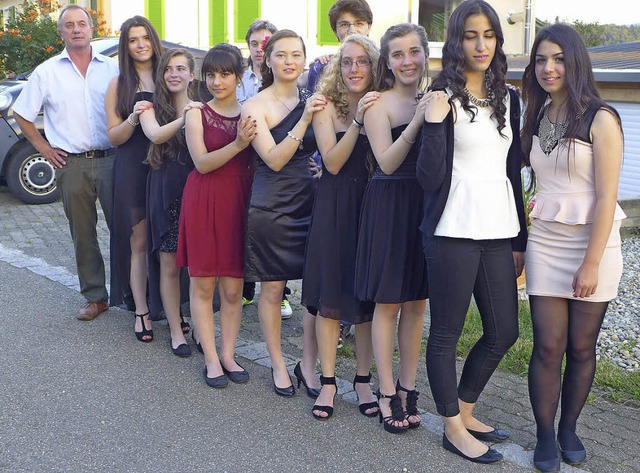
(285, 310)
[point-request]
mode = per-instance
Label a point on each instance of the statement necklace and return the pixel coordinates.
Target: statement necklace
(482, 103)
(550, 133)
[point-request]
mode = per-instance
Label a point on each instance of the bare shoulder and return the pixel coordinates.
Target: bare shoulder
(605, 123)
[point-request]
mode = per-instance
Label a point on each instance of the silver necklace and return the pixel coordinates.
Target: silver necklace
(482, 103)
(549, 133)
(278, 99)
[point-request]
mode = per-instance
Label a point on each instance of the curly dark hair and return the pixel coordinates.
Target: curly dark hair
(453, 61)
(165, 110)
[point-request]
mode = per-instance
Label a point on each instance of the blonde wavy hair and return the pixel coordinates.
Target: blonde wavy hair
(331, 84)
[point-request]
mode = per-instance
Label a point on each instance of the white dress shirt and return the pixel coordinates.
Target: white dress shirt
(74, 117)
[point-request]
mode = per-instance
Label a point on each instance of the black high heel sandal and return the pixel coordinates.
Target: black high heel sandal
(184, 325)
(327, 409)
(367, 405)
(144, 333)
(412, 405)
(313, 393)
(397, 414)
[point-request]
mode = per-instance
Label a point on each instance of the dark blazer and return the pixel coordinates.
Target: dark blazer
(435, 165)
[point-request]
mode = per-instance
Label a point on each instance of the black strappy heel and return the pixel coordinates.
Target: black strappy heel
(145, 332)
(367, 405)
(327, 409)
(397, 414)
(412, 405)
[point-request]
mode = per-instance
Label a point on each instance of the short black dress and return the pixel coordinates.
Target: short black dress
(390, 264)
(129, 207)
(330, 262)
(164, 190)
(280, 208)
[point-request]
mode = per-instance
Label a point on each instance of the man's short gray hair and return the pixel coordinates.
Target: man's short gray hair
(73, 6)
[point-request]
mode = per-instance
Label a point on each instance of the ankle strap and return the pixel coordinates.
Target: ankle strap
(400, 388)
(362, 379)
(330, 380)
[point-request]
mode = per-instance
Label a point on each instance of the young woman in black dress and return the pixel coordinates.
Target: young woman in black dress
(281, 197)
(387, 270)
(329, 273)
(128, 95)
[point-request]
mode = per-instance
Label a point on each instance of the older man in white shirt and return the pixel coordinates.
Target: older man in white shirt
(71, 88)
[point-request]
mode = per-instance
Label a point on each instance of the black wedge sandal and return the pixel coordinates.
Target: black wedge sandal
(327, 409)
(397, 414)
(364, 407)
(412, 405)
(184, 325)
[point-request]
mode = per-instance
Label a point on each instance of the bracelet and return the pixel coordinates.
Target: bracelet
(405, 138)
(357, 123)
(131, 121)
(290, 135)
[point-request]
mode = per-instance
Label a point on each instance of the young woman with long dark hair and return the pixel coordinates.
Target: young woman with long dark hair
(170, 163)
(127, 96)
(329, 271)
(573, 143)
(387, 270)
(473, 226)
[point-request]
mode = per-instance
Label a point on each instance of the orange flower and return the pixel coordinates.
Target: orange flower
(48, 49)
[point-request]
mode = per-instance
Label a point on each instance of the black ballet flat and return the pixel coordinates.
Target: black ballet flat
(198, 344)
(547, 466)
(218, 382)
(573, 457)
(313, 393)
(182, 350)
(289, 391)
(495, 435)
(490, 456)
(237, 377)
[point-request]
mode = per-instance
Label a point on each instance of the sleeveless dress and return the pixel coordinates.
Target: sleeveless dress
(280, 209)
(330, 262)
(164, 190)
(129, 207)
(561, 220)
(212, 218)
(390, 267)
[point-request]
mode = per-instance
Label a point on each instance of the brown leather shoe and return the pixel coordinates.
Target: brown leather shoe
(91, 310)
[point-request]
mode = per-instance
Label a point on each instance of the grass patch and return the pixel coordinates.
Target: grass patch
(611, 382)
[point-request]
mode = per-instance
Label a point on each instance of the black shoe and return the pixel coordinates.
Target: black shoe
(412, 405)
(198, 344)
(184, 325)
(364, 407)
(237, 377)
(284, 392)
(490, 456)
(218, 382)
(328, 409)
(573, 457)
(551, 460)
(144, 332)
(182, 350)
(495, 435)
(547, 466)
(397, 414)
(313, 393)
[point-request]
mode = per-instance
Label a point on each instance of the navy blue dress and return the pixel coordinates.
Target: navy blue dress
(330, 262)
(390, 264)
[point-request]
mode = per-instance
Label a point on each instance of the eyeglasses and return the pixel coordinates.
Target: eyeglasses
(361, 63)
(345, 25)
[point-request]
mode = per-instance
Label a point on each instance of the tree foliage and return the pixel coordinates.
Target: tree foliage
(595, 34)
(31, 37)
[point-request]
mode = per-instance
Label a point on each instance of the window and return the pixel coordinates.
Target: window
(244, 12)
(326, 36)
(154, 11)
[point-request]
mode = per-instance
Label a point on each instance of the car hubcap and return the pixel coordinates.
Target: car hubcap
(38, 176)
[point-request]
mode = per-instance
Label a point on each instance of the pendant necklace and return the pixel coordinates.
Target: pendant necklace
(278, 99)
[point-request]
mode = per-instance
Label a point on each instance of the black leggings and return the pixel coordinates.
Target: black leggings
(458, 268)
(561, 326)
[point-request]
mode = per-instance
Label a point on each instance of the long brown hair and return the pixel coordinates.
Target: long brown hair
(165, 110)
(128, 80)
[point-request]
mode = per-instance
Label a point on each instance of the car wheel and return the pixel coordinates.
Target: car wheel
(30, 177)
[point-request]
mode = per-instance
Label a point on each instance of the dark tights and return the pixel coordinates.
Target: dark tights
(561, 326)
